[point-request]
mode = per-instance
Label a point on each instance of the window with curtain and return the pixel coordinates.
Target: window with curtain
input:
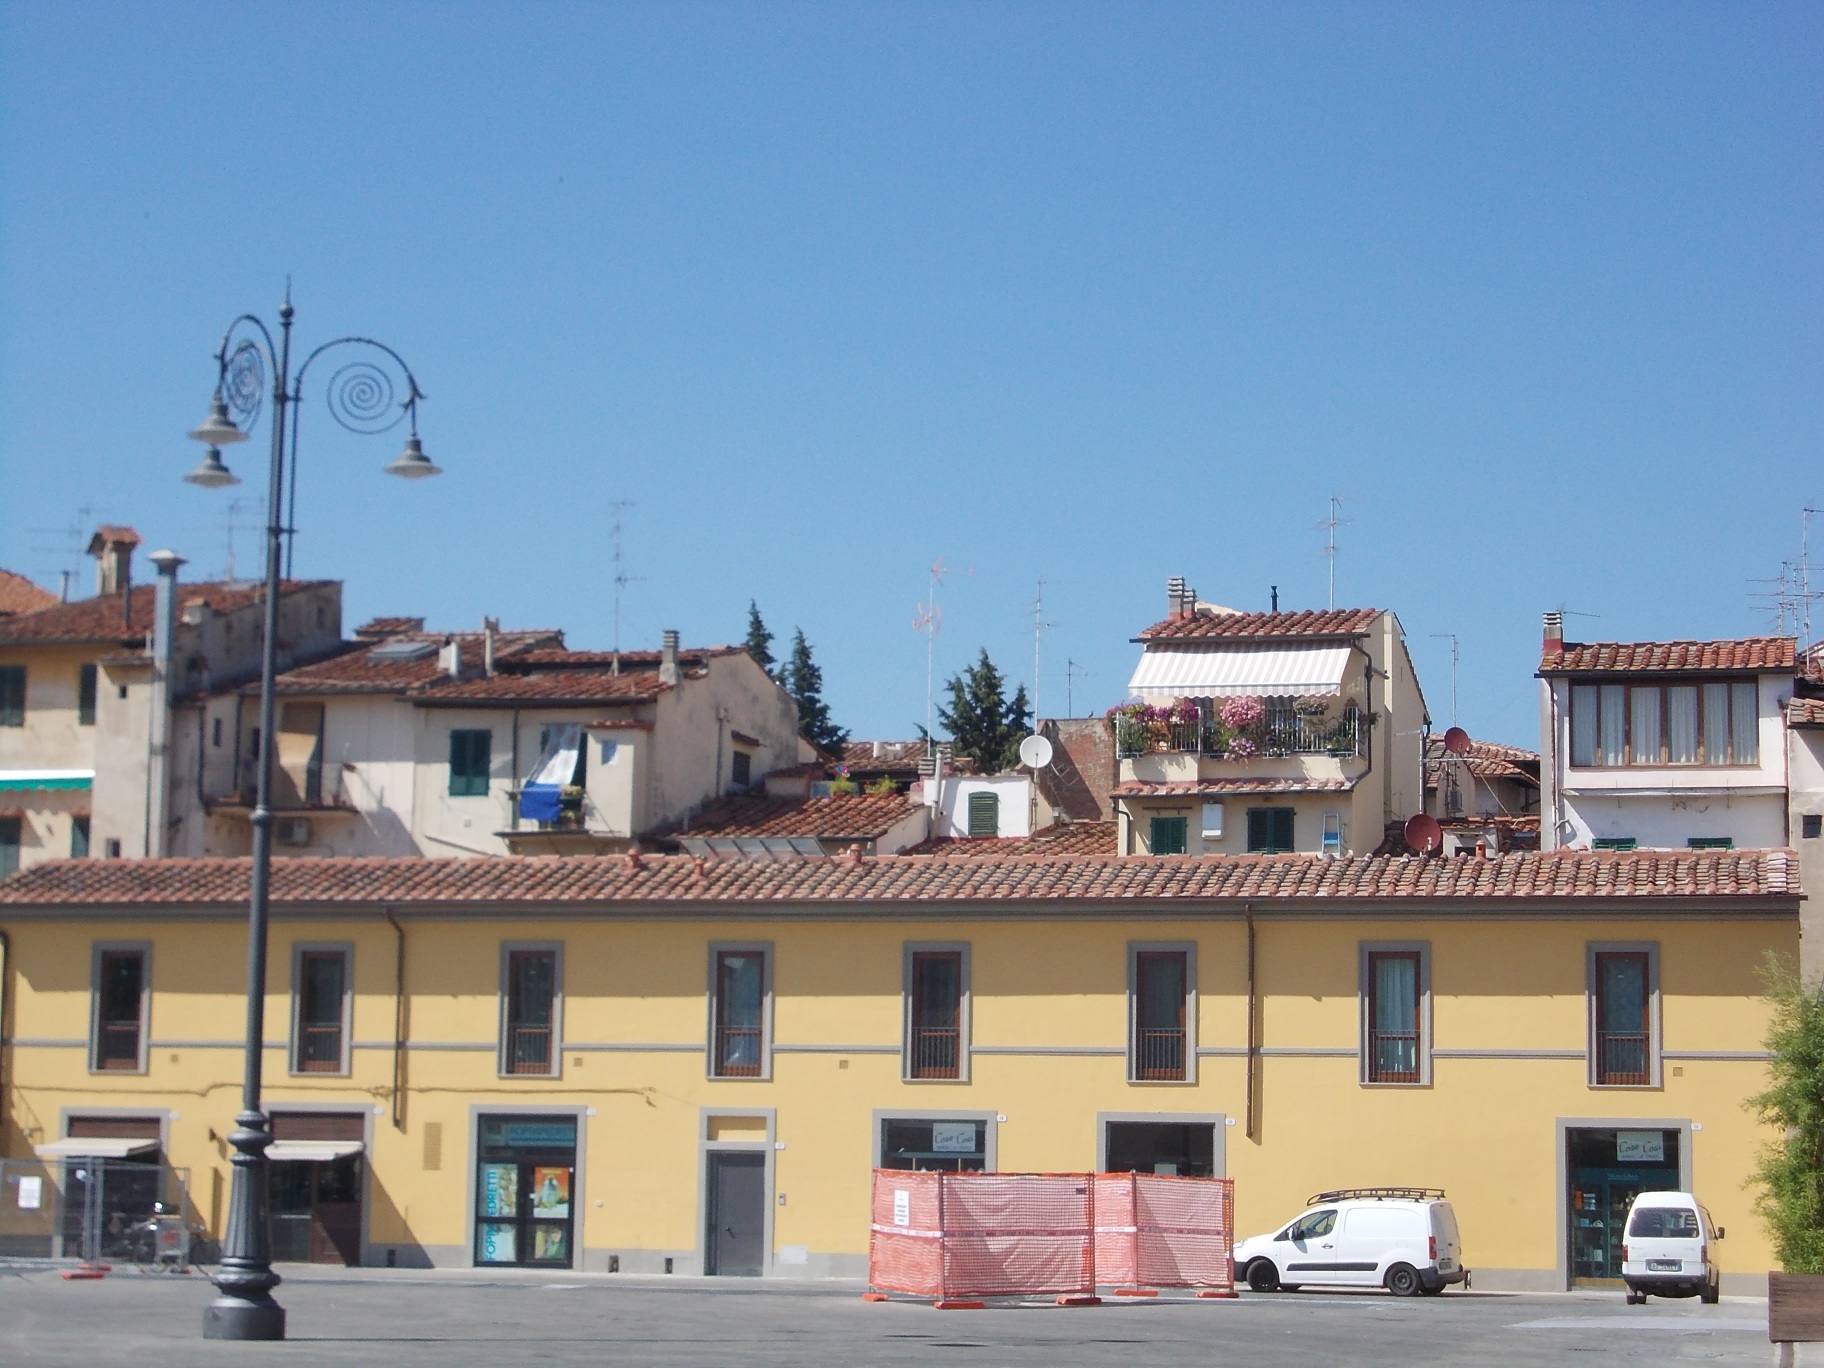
(1744, 724)
(936, 1015)
(1681, 724)
(317, 1043)
(1393, 1016)
(1714, 723)
(120, 1010)
(1623, 1038)
(740, 1001)
(1161, 978)
(1583, 724)
(1644, 736)
(1612, 734)
(531, 1012)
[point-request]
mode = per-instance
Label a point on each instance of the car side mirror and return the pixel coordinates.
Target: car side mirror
(1719, 1232)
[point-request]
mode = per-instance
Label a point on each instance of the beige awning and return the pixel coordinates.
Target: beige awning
(96, 1147)
(312, 1151)
(1288, 671)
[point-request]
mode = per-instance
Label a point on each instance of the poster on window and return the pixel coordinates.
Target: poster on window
(551, 1193)
(499, 1244)
(31, 1193)
(551, 1242)
(953, 1137)
(1640, 1147)
(500, 1189)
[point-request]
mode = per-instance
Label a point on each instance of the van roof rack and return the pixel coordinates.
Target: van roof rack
(1409, 1194)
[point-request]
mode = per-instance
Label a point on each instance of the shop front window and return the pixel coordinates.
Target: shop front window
(932, 1144)
(524, 1180)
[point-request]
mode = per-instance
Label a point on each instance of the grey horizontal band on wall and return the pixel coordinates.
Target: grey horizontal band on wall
(1310, 1051)
(1725, 1056)
(1509, 1054)
(48, 1043)
(835, 1049)
(634, 1047)
(1222, 1052)
(1098, 1051)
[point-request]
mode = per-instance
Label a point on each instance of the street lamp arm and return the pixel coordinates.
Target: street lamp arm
(361, 394)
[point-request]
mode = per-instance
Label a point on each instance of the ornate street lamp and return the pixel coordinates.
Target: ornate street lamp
(362, 397)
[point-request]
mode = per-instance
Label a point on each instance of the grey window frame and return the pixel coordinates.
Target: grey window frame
(909, 954)
(1365, 952)
(1655, 1043)
(717, 949)
(990, 1120)
(1269, 849)
(97, 952)
(294, 1055)
(1189, 950)
(12, 707)
(740, 761)
(503, 1060)
(487, 774)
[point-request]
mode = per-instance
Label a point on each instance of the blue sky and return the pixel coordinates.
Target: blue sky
(1089, 294)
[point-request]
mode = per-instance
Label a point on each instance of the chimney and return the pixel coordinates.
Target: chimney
(668, 659)
(489, 626)
(1174, 597)
(164, 615)
(1554, 635)
(164, 634)
(1275, 589)
(880, 750)
(113, 549)
(449, 659)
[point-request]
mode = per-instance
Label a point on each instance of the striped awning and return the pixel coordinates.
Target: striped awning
(1295, 671)
(46, 779)
(312, 1151)
(96, 1147)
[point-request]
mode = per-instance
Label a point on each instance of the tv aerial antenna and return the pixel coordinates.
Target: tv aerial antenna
(1038, 631)
(929, 619)
(1330, 524)
(621, 578)
(1071, 671)
(1452, 638)
(68, 549)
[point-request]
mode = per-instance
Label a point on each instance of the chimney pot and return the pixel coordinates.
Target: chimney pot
(1174, 597)
(1554, 634)
(668, 659)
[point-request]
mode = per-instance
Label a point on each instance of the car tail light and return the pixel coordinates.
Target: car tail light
(1703, 1253)
(1434, 1248)
(1625, 1256)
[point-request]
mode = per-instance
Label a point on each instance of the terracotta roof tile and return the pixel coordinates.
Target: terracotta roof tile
(1062, 838)
(839, 817)
(1672, 657)
(1217, 788)
(1485, 760)
(555, 686)
(901, 757)
(380, 627)
(1805, 712)
(1341, 623)
(100, 620)
(358, 669)
(1043, 885)
(562, 658)
(19, 595)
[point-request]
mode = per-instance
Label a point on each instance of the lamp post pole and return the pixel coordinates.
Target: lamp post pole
(361, 398)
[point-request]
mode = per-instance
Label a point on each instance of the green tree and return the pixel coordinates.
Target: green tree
(759, 640)
(804, 682)
(1790, 1171)
(983, 724)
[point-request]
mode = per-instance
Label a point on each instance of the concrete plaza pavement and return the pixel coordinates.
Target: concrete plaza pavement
(458, 1318)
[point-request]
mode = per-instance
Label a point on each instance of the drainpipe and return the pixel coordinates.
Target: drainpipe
(164, 634)
(518, 779)
(1247, 911)
(398, 1103)
(6, 963)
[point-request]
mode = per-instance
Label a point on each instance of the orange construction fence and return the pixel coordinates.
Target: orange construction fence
(950, 1235)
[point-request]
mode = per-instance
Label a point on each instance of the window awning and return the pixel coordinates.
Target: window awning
(96, 1147)
(312, 1151)
(1296, 671)
(46, 779)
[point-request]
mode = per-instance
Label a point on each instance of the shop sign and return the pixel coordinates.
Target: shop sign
(541, 1134)
(500, 1189)
(953, 1137)
(1640, 1147)
(31, 1193)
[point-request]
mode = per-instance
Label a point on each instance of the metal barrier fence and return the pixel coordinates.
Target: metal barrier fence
(951, 1235)
(98, 1211)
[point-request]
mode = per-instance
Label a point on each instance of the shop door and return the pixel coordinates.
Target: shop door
(316, 1211)
(1608, 1169)
(736, 1243)
(524, 1180)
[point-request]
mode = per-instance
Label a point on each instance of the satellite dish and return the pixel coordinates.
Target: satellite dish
(1424, 834)
(1035, 752)
(1456, 741)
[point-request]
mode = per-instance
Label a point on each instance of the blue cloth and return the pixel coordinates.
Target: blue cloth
(538, 802)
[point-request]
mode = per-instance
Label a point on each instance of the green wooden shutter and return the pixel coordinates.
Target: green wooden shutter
(1169, 836)
(984, 814)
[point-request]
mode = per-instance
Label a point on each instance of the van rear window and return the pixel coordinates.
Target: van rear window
(1664, 1223)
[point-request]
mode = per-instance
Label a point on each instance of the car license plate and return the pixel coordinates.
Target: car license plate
(1663, 1265)
(1447, 1265)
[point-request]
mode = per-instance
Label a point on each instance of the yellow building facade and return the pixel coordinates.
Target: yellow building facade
(604, 1063)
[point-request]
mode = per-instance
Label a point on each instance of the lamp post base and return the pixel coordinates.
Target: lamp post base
(242, 1318)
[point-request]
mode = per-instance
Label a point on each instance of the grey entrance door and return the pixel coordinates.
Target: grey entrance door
(736, 1239)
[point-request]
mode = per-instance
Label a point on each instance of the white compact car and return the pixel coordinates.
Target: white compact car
(1403, 1239)
(1666, 1248)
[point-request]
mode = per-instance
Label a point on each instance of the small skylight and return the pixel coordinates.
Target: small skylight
(403, 650)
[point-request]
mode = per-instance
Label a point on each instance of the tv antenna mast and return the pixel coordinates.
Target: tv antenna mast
(69, 553)
(1038, 630)
(1452, 637)
(929, 619)
(232, 525)
(1071, 671)
(621, 578)
(1330, 524)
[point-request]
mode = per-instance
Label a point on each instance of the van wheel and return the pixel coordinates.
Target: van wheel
(1437, 1291)
(1636, 1298)
(1403, 1280)
(1263, 1276)
(1709, 1295)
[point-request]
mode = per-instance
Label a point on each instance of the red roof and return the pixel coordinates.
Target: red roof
(358, 669)
(551, 687)
(1485, 760)
(1672, 657)
(1062, 838)
(842, 816)
(882, 884)
(1805, 712)
(558, 657)
(19, 595)
(1336, 623)
(1217, 788)
(100, 619)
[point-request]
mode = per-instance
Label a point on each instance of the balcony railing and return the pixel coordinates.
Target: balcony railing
(935, 1051)
(1159, 1053)
(286, 792)
(528, 1049)
(117, 1045)
(320, 1048)
(1297, 735)
(1393, 1057)
(1621, 1059)
(737, 1051)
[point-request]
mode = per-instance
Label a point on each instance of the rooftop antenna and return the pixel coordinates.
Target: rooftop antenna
(1330, 524)
(1071, 671)
(1453, 673)
(621, 578)
(230, 527)
(1038, 628)
(1806, 596)
(929, 619)
(68, 549)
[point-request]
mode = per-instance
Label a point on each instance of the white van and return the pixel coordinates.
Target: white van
(1403, 1239)
(1666, 1248)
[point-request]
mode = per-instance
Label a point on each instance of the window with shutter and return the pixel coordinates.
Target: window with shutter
(469, 762)
(1269, 831)
(984, 814)
(1169, 836)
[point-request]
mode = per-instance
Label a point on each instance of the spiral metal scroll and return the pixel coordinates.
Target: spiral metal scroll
(362, 396)
(244, 384)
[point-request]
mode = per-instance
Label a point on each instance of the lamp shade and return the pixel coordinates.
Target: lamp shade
(218, 429)
(211, 473)
(412, 463)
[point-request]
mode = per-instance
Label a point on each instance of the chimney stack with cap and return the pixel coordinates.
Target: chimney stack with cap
(1554, 635)
(668, 659)
(489, 626)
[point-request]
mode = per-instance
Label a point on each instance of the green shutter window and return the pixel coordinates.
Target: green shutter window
(12, 695)
(9, 845)
(1169, 836)
(85, 696)
(79, 838)
(1613, 843)
(1269, 831)
(1710, 843)
(469, 761)
(984, 814)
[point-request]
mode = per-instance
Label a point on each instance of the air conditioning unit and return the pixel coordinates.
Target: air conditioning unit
(292, 831)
